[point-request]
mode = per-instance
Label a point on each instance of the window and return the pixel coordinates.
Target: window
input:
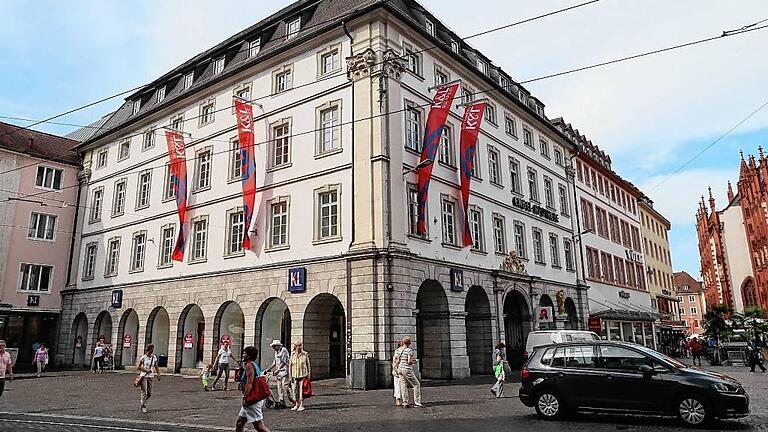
(125, 151)
(490, 113)
(413, 59)
(49, 178)
(640, 277)
(441, 77)
(218, 65)
(242, 91)
(618, 264)
(169, 192)
(207, 112)
(113, 257)
(562, 193)
(623, 359)
(504, 82)
(533, 187)
(89, 260)
(235, 160)
(510, 127)
(167, 244)
(413, 210)
(625, 239)
(280, 144)
(588, 215)
(329, 129)
(520, 240)
(475, 171)
(42, 226)
(142, 195)
(293, 28)
(613, 225)
(136, 106)
(254, 47)
(177, 122)
(330, 61)
(445, 154)
(558, 156)
(636, 239)
(189, 79)
(554, 250)
(494, 170)
(118, 199)
(449, 221)
(283, 80)
(476, 228)
(203, 169)
(482, 65)
(593, 263)
(160, 94)
(101, 158)
(538, 247)
(499, 235)
(235, 230)
(327, 211)
(467, 95)
(691, 299)
(527, 137)
(602, 222)
(568, 250)
(97, 200)
(278, 226)
(430, 26)
(138, 250)
(455, 46)
(199, 247)
(149, 140)
(35, 277)
(579, 172)
(631, 281)
(413, 128)
(575, 357)
(514, 174)
(549, 193)
(544, 148)
(607, 265)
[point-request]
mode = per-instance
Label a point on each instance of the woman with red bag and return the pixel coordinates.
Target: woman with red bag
(300, 372)
(250, 412)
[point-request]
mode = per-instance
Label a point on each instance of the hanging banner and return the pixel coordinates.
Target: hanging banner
(244, 113)
(470, 127)
(178, 172)
(438, 113)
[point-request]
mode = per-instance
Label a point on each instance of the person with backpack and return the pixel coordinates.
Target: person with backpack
(250, 412)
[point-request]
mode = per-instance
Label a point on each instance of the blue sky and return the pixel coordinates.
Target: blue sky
(651, 114)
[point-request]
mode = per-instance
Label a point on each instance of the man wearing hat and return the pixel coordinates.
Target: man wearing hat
(280, 368)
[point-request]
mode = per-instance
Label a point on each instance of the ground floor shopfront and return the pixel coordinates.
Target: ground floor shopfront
(342, 308)
(24, 330)
(628, 326)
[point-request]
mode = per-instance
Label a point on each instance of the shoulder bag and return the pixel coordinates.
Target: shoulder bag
(259, 389)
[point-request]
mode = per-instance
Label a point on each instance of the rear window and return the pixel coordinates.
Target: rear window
(579, 357)
(546, 358)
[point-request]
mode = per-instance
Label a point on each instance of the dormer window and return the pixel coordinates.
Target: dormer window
(430, 26)
(254, 47)
(293, 28)
(188, 80)
(160, 94)
(504, 82)
(483, 66)
(218, 66)
(136, 106)
(455, 46)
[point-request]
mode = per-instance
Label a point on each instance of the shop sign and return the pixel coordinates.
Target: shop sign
(624, 295)
(127, 341)
(297, 280)
(633, 256)
(536, 209)
(595, 324)
(117, 299)
(33, 300)
(79, 342)
(544, 314)
(188, 341)
(457, 280)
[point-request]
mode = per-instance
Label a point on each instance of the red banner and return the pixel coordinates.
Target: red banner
(244, 113)
(470, 127)
(178, 171)
(438, 113)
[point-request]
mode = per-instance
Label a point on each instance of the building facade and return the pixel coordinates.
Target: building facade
(340, 105)
(38, 195)
(690, 296)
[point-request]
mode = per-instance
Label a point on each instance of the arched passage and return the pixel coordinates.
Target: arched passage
(479, 333)
(229, 324)
(325, 336)
(127, 339)
(273, 321)
(546, 301)
(517, 325)
(749, 293)
(433, 336)
(190, 340)
(158, 331)
(79, 333)
(102, 328)
(572, 313)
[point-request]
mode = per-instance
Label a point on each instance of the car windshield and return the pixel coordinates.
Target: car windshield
(659, 356)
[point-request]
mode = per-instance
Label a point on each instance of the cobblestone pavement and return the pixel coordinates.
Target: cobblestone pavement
(85, 402)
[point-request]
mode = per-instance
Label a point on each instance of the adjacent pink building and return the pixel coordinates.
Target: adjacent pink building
(38, 196)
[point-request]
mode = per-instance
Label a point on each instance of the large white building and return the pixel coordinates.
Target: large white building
(340, 89)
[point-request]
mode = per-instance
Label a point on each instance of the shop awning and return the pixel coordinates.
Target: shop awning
(625, 315)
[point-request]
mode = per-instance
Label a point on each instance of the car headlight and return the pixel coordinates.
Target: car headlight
(725, 387)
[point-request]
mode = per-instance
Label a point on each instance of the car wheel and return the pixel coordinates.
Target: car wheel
(692, 411)
(548, 405)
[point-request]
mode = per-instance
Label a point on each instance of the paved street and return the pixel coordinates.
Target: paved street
(84, 402)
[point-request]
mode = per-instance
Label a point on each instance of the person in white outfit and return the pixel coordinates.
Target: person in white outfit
(396, 374)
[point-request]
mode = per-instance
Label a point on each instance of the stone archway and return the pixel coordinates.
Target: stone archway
(102, 328)
(478, 331)
(546, 301)
(229, 324)
(79, 342)
(190, 339)
(433, 336)
(749, 294)
(273, 321)
(127, 339)
(573, 315)
(517, 325)
(325, 336)
(158, 331)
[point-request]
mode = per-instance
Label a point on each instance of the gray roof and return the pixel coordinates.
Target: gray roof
(86, 132)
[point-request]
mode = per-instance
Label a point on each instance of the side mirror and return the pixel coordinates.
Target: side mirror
(646, 370)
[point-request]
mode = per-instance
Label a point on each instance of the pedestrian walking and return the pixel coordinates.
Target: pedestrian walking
(148, 371)
(755, 347)
(280, 368)
(396, 375)
(499, 358)
(251, 413)
(300, 374)
(696, 349)
(41, 359)
(205, 375)
(98, 357)
(405, 363)
(223, 358)
(6, 366)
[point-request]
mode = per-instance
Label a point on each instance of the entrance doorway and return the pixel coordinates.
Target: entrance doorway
(478, 331)
(158, 331)
(433, 336)
(325, 336)
(273, 321)
(80, 358)
(229, 324)
(573, 315)
(190, 340)
(517, 325)
(127, 339)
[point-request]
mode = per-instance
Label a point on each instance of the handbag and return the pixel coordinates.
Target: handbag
(307, 388)
(137, 380)
(259, 391)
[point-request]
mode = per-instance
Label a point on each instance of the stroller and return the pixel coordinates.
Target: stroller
(273, 401)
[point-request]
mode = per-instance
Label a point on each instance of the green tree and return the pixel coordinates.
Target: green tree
(716, 324)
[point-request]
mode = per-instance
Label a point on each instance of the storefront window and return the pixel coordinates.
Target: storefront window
(628, 331)
(639, 333)
(614, 330)
(649, 335)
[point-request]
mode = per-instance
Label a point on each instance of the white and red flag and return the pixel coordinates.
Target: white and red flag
(244, 114)
(470, 127)
(178, 172)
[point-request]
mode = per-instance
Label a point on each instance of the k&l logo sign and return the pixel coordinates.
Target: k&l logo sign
(297, 280)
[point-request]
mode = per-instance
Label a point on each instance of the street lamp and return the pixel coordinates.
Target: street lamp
(423, 164)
